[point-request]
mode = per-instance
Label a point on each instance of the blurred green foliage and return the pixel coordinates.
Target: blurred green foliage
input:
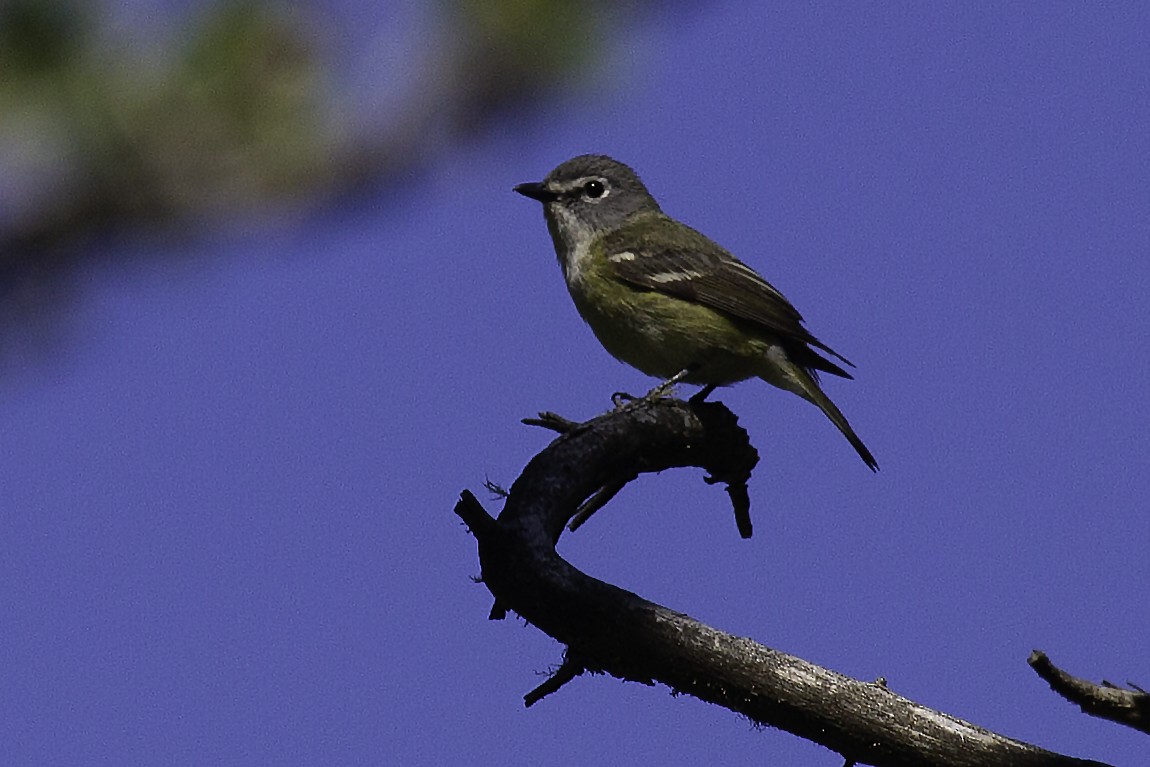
(235, 109)
(235, 105)
(230, 117)
(521, 46)
(38, 39)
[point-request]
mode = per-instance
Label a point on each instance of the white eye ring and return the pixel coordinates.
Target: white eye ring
(594, 189)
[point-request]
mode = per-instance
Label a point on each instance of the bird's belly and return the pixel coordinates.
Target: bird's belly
(662, 336)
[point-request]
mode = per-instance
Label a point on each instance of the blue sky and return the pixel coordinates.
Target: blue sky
(226, 515)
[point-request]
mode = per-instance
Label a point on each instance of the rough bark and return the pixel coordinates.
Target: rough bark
(1106, 700)
(608, 629)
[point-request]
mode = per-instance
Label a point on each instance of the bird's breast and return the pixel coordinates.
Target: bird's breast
(661, 335)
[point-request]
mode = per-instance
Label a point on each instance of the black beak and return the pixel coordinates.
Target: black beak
(536, 192)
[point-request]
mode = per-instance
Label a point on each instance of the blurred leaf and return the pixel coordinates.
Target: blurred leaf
(38, 37)
(512, 49)
(239, 111)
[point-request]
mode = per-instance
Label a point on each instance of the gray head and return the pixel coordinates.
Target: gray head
(587, 195)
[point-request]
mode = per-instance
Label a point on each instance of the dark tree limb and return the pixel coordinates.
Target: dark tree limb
(1106, 700)
(570, 669)
(614, 631)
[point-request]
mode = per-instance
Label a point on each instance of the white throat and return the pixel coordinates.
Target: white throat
(576, 236)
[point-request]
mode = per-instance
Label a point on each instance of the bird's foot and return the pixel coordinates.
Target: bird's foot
(701, 394)
(621, 399)
(663, 390)
(667, 388)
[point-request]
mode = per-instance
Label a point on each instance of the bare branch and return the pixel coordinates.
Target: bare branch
(552, 421)
(1106, 700)
(561, 676)
(598, 500)
(614, 631)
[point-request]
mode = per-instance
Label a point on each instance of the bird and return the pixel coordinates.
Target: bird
(670, 302)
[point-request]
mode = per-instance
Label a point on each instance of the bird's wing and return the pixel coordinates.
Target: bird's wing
(683, 263)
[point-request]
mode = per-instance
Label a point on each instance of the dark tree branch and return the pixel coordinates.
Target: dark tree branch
(1106, 700)
(561, 676)
(598, 500)
(552, 421)
(614, 631)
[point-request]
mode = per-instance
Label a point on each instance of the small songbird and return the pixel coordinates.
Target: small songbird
(668, 301)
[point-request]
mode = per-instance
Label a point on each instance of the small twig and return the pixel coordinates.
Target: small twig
(552, 421)
(471, 511)
(598, 500)
(497, 490)
(1106, 701)
(740, 504)
(483, 526)
(735, 475)
(562, 675)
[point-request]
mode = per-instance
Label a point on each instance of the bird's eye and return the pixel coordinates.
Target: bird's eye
(594, 189)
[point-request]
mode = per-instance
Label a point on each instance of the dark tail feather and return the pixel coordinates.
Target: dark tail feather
(812, 393)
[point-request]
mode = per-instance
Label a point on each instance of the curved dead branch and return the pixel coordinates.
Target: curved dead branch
(607, 629)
